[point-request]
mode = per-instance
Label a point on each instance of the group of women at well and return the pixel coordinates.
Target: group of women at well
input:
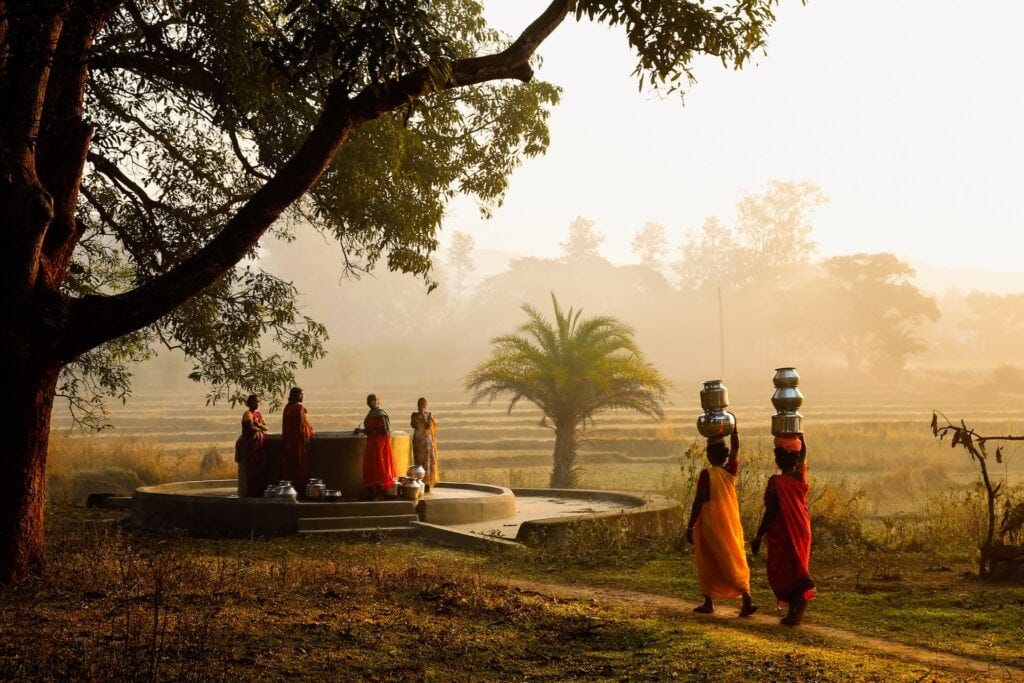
(379, 474)
(715, 531)
(714, 526)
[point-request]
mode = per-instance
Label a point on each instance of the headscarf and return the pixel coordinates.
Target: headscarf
(788, 443)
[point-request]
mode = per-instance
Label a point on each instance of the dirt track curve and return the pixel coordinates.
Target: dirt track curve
(935, 660)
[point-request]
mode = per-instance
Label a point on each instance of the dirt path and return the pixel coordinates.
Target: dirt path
(933, 659)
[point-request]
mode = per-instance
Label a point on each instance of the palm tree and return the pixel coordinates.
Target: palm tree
(572, 370)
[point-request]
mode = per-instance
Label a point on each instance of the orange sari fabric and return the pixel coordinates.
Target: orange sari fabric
(789, 539)
(378, 459)
(722, 570)
(295, 435)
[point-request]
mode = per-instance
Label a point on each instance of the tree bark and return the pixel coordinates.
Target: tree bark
(23, 471)
(563, 472)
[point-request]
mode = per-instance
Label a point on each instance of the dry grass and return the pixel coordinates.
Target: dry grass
(117, 605)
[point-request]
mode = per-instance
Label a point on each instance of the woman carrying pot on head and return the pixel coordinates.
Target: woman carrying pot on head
(424, 442)
(787, 526)
(378, 458)
(249, 452)
(715, 530)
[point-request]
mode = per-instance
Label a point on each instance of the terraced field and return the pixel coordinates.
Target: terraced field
(859, 441)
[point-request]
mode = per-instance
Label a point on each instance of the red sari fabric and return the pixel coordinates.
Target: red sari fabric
(295, 435)
(378, 459)
(789, 539)
(250, 454)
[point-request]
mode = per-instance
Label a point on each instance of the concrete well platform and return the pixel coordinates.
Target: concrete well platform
(461, 514)
(213, 508)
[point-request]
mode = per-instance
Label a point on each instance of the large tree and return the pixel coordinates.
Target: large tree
(867, 307)
(572, 369)
(147, 146)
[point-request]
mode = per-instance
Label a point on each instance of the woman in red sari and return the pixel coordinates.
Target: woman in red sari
(295, 435)
(378, 459)
(249, 453)
(787, 526)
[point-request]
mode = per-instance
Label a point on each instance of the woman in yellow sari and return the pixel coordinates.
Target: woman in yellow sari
(715, 530)
(424, 443)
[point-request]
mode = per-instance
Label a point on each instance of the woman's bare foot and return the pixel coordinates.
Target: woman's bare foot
(748, 607)
(707, 608)
(795, 615)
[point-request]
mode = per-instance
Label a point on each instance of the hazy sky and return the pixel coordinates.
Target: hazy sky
(907, 113)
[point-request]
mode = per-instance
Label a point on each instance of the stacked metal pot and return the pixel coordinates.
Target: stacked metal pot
(716, 420)
(787, 400)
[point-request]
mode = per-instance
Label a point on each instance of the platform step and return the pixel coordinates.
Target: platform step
(355, 522)
(359, 532)
(358, 508)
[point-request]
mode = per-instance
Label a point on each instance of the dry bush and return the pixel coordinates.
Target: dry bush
(836, 508)
(77, 467)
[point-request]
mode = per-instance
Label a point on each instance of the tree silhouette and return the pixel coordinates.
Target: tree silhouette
(583, 241)
(650, 244)
(460, 257)
(867, 308)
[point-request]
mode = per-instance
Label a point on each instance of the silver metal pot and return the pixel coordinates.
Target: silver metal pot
(416, 472)
(787, 424)
(411, 491)
(315, 489)
(332, 495)
(786, 377)
(716, 423)
(286, 490)
(787, 399)
(714, 395)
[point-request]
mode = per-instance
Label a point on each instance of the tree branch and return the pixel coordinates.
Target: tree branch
(96, 319)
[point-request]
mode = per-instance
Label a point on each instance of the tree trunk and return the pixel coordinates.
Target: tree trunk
(564, 474)
(22, 470)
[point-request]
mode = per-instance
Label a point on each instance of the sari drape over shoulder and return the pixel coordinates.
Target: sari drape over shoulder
(789, 539)
(722, 570)
(250, 454)
(424, 445)
(295, 435)
(378, 459)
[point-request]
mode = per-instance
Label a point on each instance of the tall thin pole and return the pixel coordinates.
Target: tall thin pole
(721, 330)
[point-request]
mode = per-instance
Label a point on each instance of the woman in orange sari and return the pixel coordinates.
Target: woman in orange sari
(787, 526)
(424, 443)
(715, 530)
(249, 453)
(378, 458)
(295, 435)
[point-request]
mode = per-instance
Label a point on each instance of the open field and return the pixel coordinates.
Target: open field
(877, 449)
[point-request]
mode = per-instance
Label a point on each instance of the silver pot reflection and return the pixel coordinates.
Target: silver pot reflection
(714, 395)
(786, 377)
(787, 424)
(286, 490)
(787, 399)
(716, 423)
(270, 491)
